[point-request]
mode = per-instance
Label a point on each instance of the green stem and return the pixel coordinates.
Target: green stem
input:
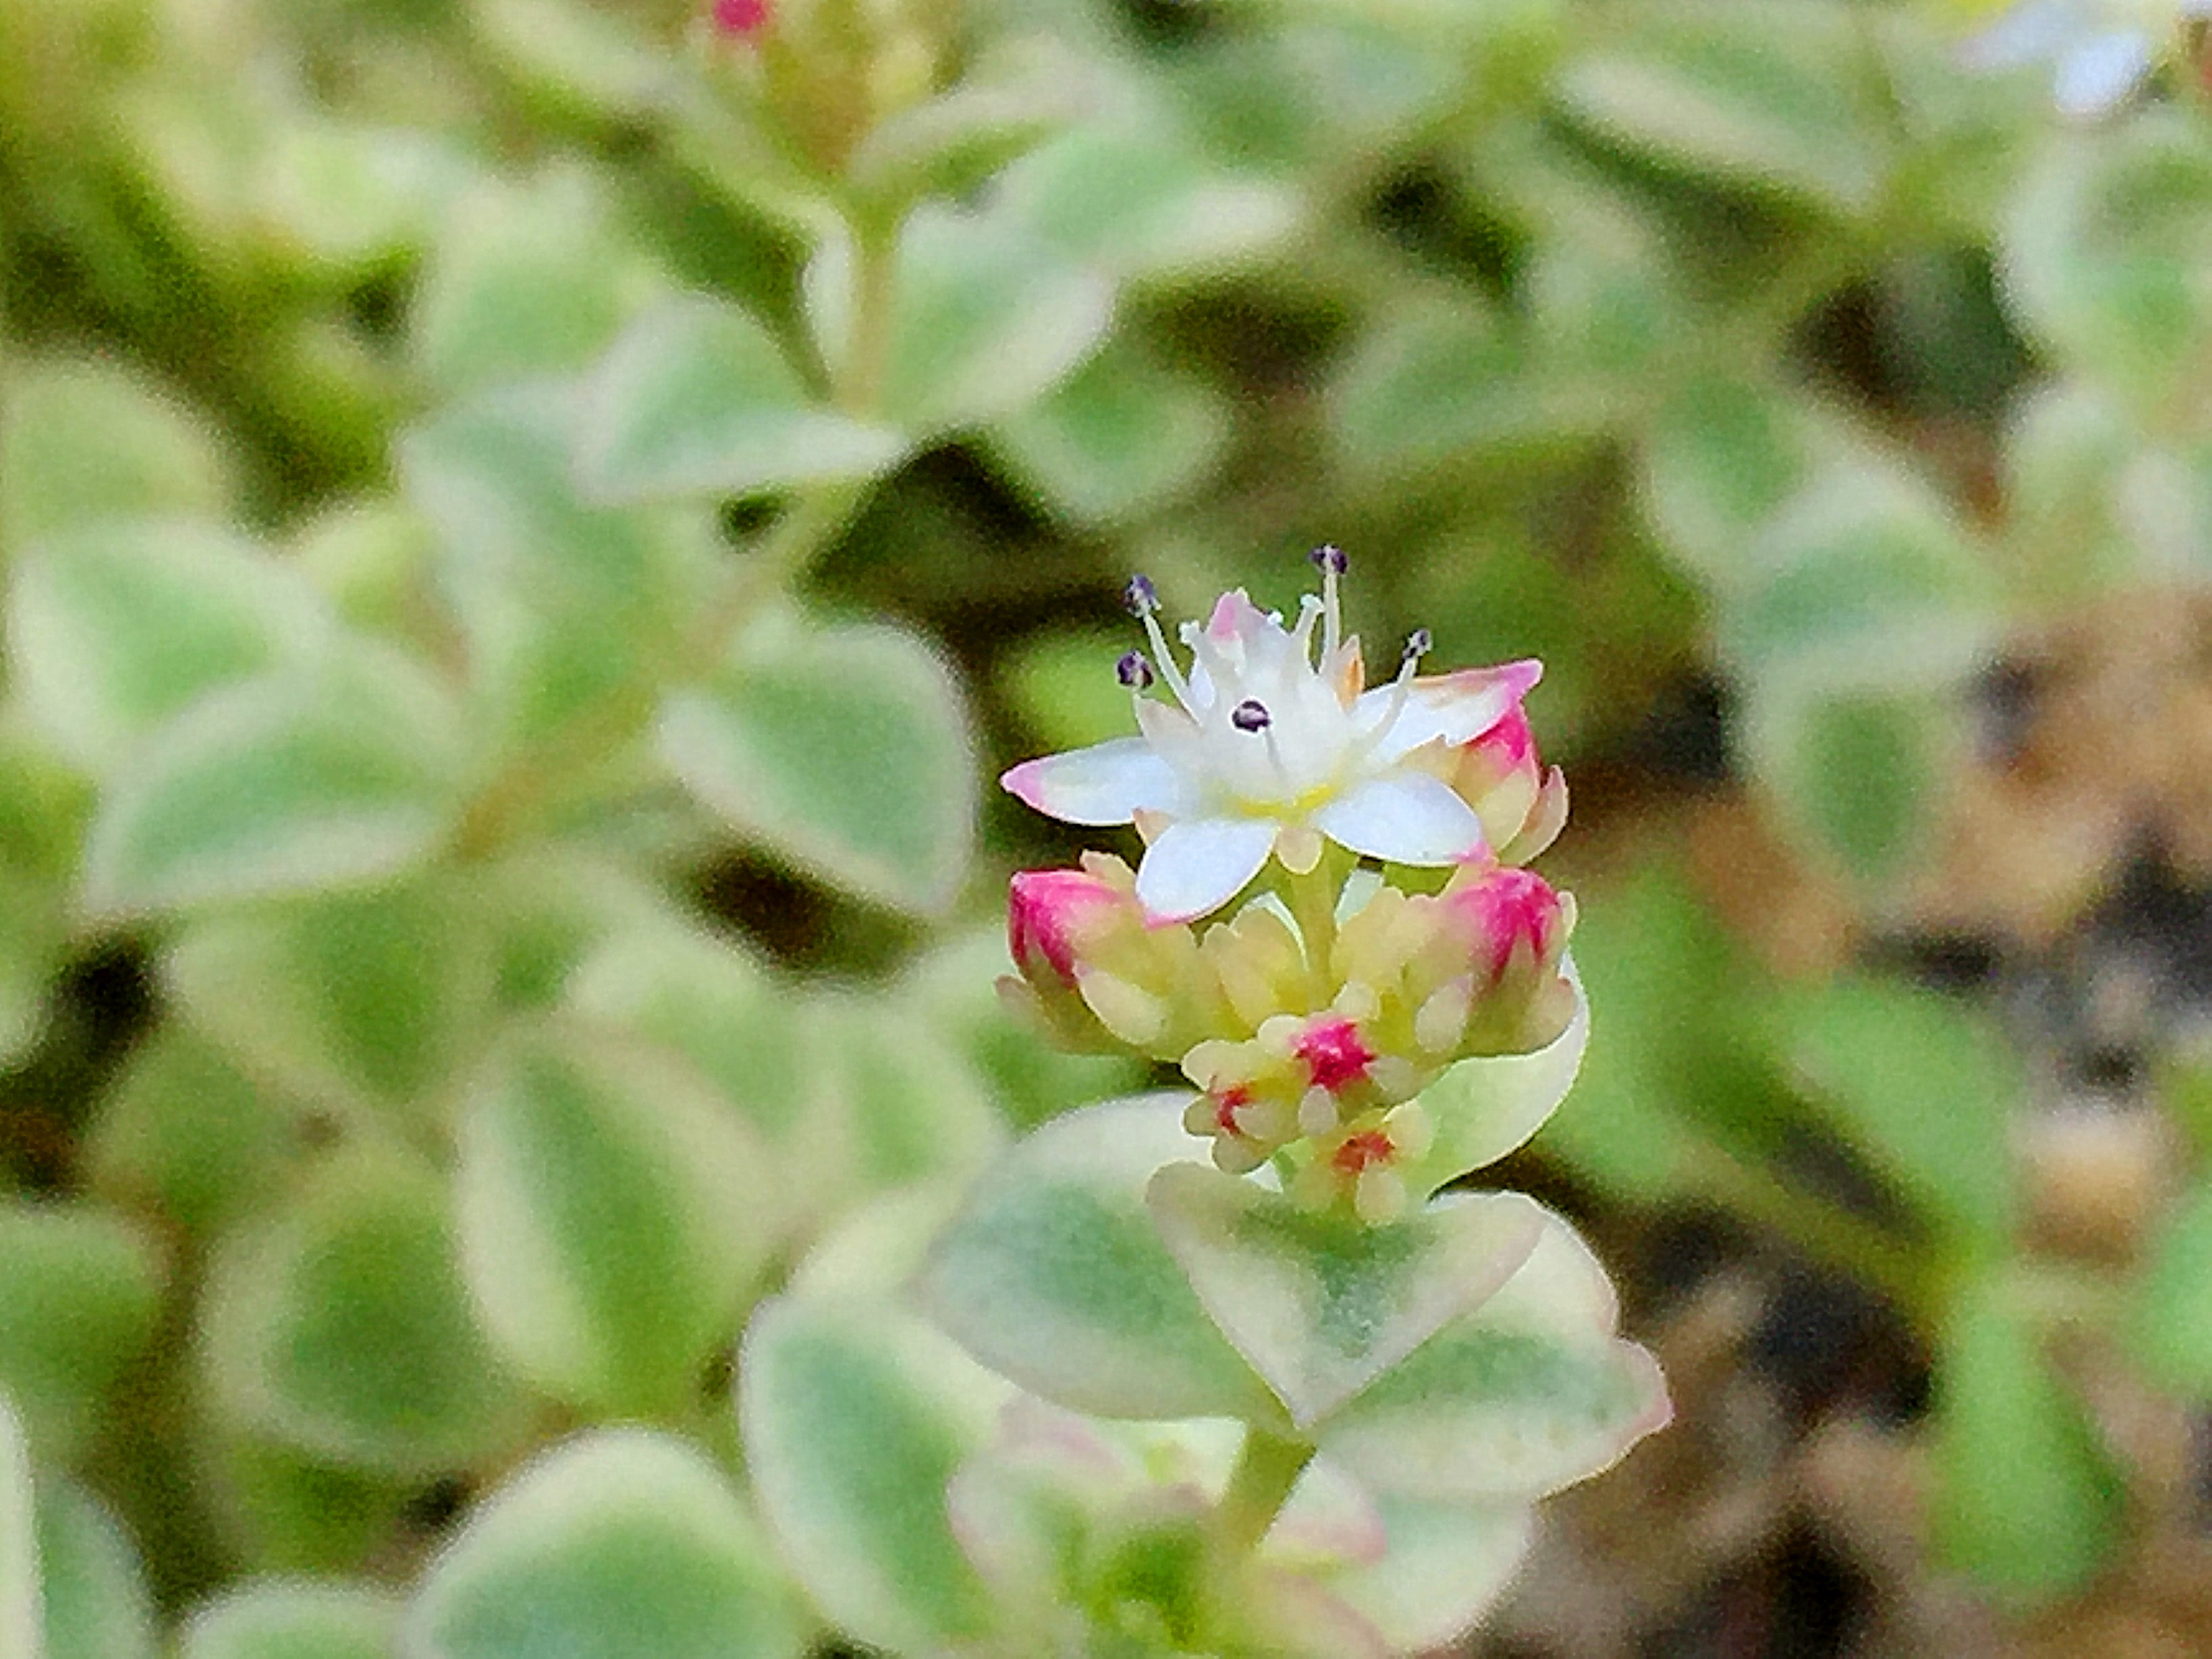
(1267, 1468)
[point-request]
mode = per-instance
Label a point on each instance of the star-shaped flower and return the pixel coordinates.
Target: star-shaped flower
(1272, 743)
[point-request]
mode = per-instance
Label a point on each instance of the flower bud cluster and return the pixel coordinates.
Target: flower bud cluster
(1310, 1017)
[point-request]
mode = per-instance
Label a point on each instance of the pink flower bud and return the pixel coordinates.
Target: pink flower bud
(1498, 773)
(740, 17)
(1501, 915)
(1047, 914)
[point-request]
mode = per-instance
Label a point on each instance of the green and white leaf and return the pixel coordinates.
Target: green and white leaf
(987, 316)
(80, 1294)
(613, 1213)
(96, 1602)
(338, 1326)
(1121, 436)
(616, 1543)
(565, 603)
(88, 440)
(372, 999)
(1762, 93)
(113, 626)
(855, 1416)
(183, 1131)
(292, 1618)
(22, 1613)
(697, 398)
(327, 775)
(1322, 1305)
(1480, 1110)
(1055, 1275)
(1530, 1393)
(845, 750)
(525, 282)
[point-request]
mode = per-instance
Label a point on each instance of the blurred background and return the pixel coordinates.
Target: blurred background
(402, 401)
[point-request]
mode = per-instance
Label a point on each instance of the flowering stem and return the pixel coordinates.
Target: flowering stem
(1312, 899)
(1268, 1468)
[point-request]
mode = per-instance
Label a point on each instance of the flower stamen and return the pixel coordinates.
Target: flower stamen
(1142, 600)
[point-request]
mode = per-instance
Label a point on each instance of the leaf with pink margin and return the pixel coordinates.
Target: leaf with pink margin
(1482, 1109)
(1322, 1305)
(1530, 1393)
(1055, 1275)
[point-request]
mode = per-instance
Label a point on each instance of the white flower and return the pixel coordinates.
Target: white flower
(1271, 744)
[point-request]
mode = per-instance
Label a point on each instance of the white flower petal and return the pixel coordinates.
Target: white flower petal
(1457, 708)
(1405, 817)
(1107, 783)
(1198, 864)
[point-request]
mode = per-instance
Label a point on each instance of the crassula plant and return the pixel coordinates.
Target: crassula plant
(1242, 1367)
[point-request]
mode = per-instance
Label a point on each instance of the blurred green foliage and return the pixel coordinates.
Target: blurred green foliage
(522, 519)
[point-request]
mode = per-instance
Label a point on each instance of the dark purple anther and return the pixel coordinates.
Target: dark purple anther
(1251, 715)
(1141, 598)
(1329, 557)
(1418, 644)
(1133, 671)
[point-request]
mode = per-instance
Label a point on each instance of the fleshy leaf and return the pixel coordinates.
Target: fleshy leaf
(20, 1617)
(565, 602)
(523, 281)
(614, 1543)
(183, 1131)
(1442, 1565)
(320, 777)
(844, 749)
(1140, 200)
(855, 1416)
(1530, 1393)
(695, 398)
(902, 1103)
(1925, 1089)
(80, 1290)
(86, 440)
(986, 317)
(113, 626)
(338, 1326)
(1322, 1306)
(369, 997)
(1055, 1275)
(2024, 1497)
(1482, 1109)
(612, 1214)
(292, 1618)
(96, 1603)
(1120, 437)
(2170, 1334)
(1763, 95)
(2104, 253)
